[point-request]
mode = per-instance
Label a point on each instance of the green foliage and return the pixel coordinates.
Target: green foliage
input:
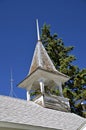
(51, 91)
(63, 61)
(80, 78)
(68, 93)
(57, 51)
(55, 92)
(83, 94)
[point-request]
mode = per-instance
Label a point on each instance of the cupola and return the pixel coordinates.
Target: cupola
(42, 76)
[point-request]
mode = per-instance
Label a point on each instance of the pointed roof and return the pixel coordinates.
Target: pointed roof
(41, 59)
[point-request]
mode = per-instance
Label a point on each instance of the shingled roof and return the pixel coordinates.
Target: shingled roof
(41, 59)
(27, 112)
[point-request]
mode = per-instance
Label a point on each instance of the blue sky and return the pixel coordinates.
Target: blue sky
(18, 34)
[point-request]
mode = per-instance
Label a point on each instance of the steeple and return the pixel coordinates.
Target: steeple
(43, 74)
(40, 58)
(12, 93)
(11, 85)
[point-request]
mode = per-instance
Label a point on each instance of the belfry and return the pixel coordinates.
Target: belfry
(43, 75)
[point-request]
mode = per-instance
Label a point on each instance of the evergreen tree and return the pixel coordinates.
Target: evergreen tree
(75, 88)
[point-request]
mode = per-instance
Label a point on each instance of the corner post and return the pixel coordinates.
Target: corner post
(28, 95)
(41, 86)
(60, 89)
(42, 90)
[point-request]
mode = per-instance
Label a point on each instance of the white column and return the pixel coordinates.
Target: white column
(60, 89)
(42, 91)
(28, 96)
(42, 86)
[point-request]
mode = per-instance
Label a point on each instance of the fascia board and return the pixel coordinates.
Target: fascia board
(11, 125)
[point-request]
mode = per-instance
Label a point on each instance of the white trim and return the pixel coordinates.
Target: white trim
(83, 126)
(22, 126)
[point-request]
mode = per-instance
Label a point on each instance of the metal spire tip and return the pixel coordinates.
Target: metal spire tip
(38, 34)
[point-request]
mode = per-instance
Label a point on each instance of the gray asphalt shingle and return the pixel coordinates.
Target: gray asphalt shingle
(27, 112)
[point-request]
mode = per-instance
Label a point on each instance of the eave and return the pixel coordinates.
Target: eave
(39, 72)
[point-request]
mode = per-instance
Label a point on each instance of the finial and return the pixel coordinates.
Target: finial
(38, 35)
